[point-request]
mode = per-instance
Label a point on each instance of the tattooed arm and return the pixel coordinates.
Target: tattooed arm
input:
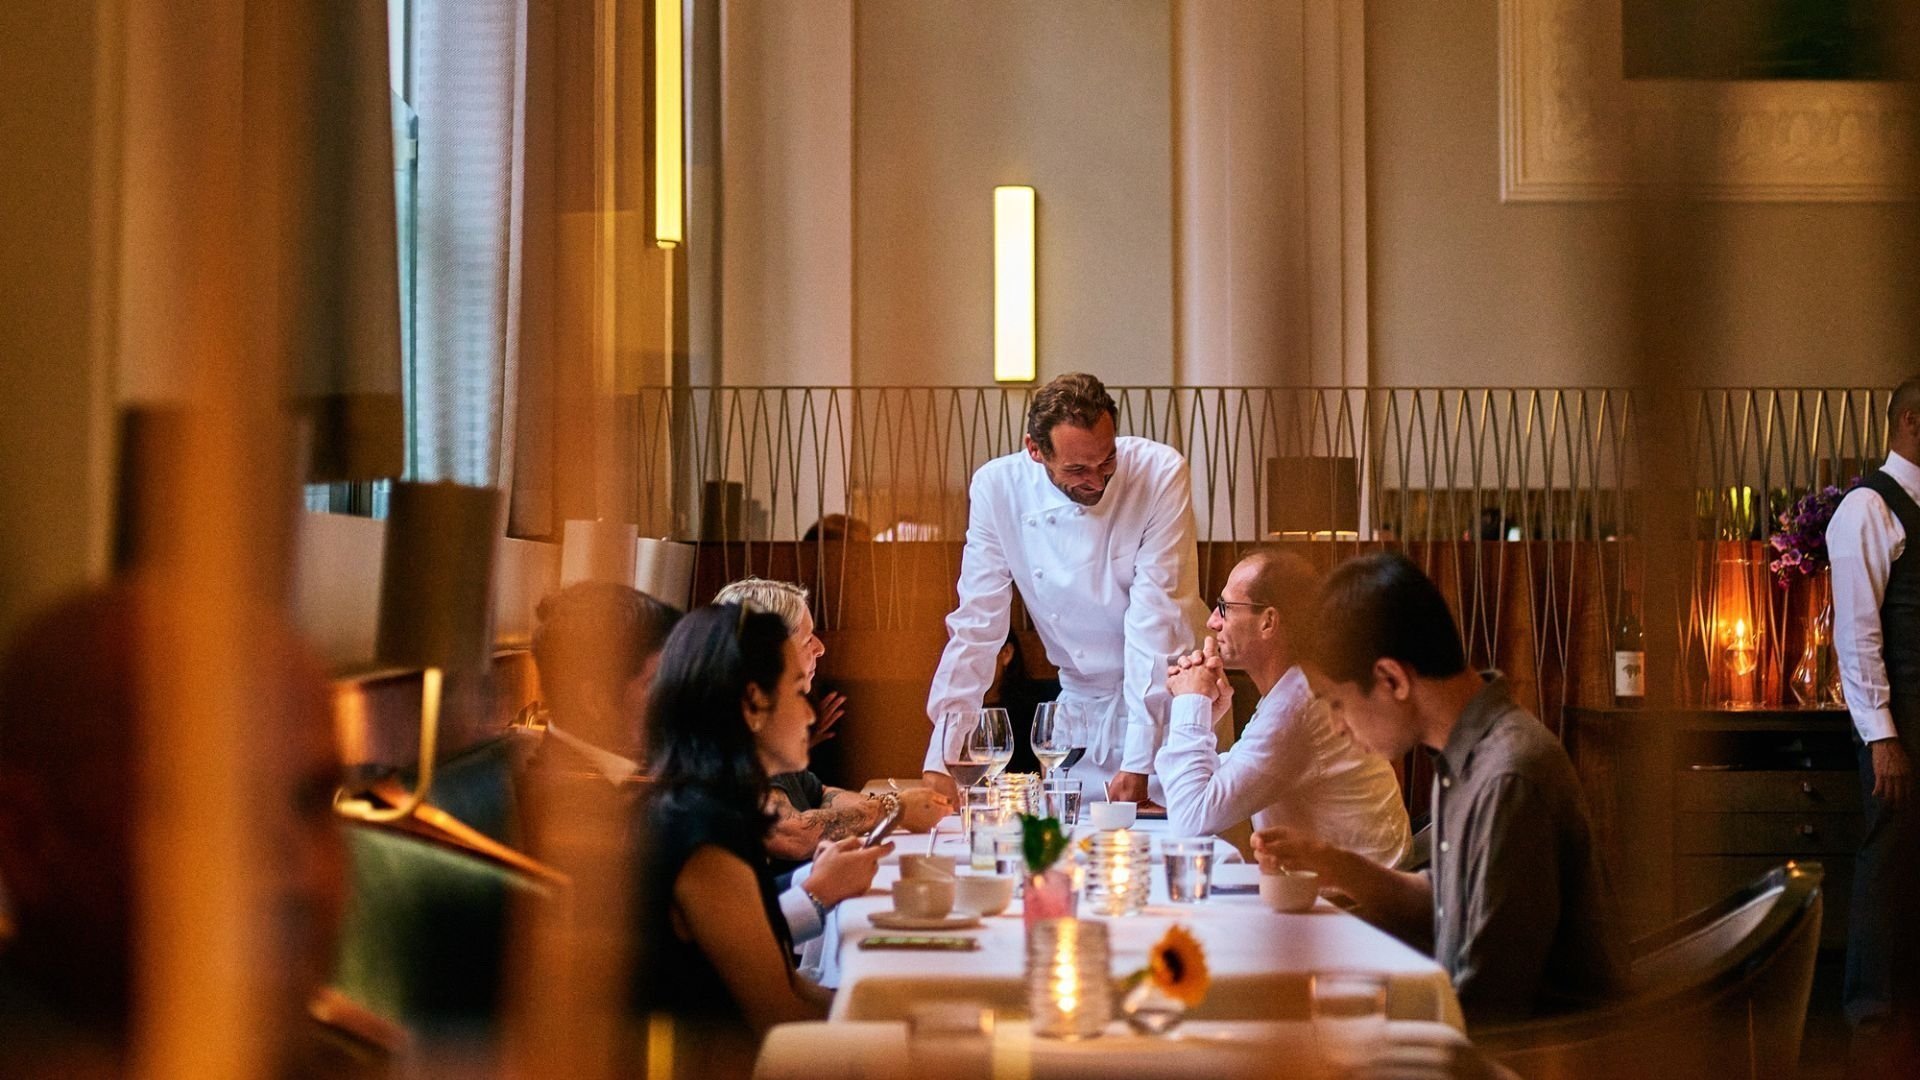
(797, 832)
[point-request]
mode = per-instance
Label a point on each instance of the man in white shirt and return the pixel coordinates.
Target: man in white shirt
(1096, 532)
(1292, 765)
(1876, 607)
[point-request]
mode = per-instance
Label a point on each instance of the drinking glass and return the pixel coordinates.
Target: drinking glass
(1070, 724)
(1189, 867)
(996, 733)
(1349, 1014)
(1052, 735)
(984, 824)
(1062, 795)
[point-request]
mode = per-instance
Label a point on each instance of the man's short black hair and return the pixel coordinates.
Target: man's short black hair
(1906, 397)
(593, 637)
(1383, 606)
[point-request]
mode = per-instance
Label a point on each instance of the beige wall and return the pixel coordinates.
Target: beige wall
(1467, 290)
(54, 432)
(956, 96)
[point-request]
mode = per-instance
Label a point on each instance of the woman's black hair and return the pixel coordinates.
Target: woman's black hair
(697, 735)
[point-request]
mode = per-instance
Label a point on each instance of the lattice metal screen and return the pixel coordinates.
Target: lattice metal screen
(1546, 477)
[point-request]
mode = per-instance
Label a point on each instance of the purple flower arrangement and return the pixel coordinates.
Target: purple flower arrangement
(1801, 540)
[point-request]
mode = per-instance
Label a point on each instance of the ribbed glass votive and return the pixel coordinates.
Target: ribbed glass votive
(1119, 873)
(1019, 793)
(1069, 978)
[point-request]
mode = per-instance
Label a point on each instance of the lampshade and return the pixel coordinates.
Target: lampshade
(664, 571)
(597, 551)
(436, 577)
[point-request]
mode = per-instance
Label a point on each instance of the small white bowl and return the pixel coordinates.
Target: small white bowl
(1290, 890)
(1107, 816)
(985, 894)
(924, 898)
(928, 867)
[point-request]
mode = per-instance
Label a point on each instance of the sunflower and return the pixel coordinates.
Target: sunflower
(1178, 966)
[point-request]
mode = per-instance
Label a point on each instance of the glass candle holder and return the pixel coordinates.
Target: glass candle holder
(1069, 979)
(1119, 873)
(1018, 793)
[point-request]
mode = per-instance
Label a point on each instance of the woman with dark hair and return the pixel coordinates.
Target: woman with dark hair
(728, 708)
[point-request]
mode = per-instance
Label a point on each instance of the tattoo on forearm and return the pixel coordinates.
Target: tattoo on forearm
(797, 832)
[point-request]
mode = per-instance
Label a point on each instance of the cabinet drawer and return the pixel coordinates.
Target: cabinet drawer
(1783, 791)
(1766, 834)
(1702, 880)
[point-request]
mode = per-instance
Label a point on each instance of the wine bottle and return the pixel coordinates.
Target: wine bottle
(1629, 657)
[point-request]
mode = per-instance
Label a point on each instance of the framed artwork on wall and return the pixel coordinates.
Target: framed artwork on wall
(1738, 100)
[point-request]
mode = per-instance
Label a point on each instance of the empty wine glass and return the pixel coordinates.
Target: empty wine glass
(996, 729)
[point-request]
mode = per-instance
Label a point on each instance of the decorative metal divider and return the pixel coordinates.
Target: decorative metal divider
(1521, 502)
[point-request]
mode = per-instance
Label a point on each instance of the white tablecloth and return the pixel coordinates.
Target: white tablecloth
(881, 1050)
(1260, 960)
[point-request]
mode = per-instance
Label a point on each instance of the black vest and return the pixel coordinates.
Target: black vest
(1900, 608)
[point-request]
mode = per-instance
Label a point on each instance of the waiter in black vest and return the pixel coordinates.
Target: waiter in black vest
(1876, 608)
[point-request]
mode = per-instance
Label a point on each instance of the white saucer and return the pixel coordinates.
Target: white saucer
(959, 920)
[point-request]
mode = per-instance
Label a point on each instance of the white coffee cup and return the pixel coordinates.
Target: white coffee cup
(923, 898)
(1290, 890)
(928, 867)
(1107, 816)
(985, 894)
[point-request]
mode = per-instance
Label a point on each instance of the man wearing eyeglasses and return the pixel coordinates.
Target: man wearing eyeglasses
(1096, 533)
(1292, 765)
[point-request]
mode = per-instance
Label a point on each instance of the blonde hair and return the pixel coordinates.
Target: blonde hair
(782, 598)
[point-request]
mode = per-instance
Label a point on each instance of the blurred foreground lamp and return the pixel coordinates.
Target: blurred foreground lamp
(435, 587)
(1015, 334)
(669, 131)
(1069, 985)
(597, 551)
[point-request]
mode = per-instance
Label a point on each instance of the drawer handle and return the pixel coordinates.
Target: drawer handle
(1809, 831)
(1807, 789)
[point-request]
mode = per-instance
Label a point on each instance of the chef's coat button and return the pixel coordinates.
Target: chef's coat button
(1055, 616)
(1032, 522)
(1079, 511)
(1039, 575)
(1080, 654)
(1050, 519)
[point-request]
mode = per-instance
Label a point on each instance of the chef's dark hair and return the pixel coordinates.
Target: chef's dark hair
(1383, 606)
(1077, 399)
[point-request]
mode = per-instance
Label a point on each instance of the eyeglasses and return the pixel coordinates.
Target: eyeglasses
(1221, 604)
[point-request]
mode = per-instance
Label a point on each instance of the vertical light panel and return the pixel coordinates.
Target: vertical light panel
(1015, 321)
(669, 132)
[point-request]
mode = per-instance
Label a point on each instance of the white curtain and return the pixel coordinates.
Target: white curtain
(468, 87)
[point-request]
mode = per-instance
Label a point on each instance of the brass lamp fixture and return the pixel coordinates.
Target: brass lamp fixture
(435, 608)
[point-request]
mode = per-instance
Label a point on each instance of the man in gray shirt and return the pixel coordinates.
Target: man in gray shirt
(1516, 901)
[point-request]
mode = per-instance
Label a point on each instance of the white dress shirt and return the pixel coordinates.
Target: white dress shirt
(1863, 541)
(1113, 590)
(1292, 766)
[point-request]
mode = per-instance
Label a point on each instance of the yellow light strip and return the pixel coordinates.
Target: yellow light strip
(1015, 318)
(669, 134)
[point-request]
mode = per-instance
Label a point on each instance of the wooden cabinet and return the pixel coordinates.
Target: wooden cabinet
(1688, 805)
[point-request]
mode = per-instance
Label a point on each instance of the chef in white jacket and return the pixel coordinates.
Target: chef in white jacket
(1097, 534)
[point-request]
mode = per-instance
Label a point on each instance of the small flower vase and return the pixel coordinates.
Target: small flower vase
(1816, 677)
(1151, 1010)
(1049, 895)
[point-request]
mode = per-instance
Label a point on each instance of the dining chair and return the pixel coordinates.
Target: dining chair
(1722, 992)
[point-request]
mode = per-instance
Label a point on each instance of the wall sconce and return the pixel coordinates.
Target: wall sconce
(669, 129)
(435, 599)
(1015, 318)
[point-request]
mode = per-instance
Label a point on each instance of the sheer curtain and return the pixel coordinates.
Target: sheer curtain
(468, 88)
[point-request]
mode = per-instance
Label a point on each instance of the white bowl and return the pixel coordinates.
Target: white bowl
(1107, 816)
(923, 898)
(1290, 890)
(986, 894)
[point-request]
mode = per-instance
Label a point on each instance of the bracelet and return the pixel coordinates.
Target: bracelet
(819, 908)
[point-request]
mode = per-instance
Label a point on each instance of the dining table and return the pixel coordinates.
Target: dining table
(1261, 961)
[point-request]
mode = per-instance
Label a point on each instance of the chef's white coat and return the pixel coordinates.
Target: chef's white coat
(1113, 590)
